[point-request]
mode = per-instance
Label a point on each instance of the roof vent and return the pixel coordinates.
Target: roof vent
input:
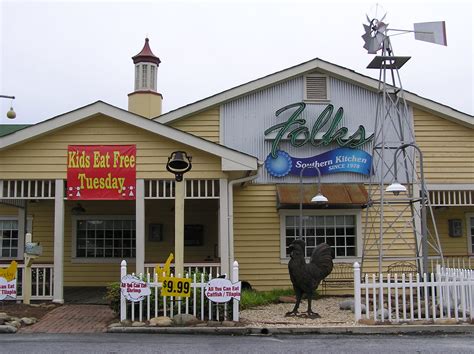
(316, 88)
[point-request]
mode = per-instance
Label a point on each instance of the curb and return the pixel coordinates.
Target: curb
(361, 330)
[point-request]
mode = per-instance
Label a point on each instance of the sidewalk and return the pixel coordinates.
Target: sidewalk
(73, 319)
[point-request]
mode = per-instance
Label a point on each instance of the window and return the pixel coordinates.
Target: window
(144, 75)
(152, 78)
(104, 237)
(470, 232)
(137, 79)
(9, 238)
(339, 229)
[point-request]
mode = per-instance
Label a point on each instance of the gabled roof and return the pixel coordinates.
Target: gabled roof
(232, 160)
(320, 65)
(6, 129)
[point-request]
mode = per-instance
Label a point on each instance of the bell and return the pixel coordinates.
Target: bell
(179, 163)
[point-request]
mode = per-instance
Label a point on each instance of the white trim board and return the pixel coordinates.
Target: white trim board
(247, 162)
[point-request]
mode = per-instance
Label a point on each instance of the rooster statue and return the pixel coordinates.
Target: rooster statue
(307, 276)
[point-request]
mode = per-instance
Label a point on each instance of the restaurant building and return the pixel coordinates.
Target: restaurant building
(92, 187)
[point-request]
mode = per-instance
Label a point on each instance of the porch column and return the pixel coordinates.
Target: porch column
(58, 296)
(224, 227)
(140, 226)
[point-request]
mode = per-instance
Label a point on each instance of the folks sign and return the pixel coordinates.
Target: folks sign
(106, 172)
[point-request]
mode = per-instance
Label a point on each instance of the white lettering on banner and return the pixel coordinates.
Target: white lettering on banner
(222, 290)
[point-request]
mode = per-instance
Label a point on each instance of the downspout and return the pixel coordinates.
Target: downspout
(230, 209)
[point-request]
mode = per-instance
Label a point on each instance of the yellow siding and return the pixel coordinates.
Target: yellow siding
(452, 246)
(45, 157)
(205, 125)
(448, 149)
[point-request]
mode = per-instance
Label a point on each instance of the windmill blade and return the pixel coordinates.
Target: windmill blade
(433, 32)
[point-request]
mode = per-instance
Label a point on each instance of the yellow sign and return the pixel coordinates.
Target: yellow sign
(9, 273)
(165, 271)
(176, 287)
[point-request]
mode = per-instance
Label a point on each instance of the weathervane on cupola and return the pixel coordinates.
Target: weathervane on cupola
(145, 100)
(401, 209)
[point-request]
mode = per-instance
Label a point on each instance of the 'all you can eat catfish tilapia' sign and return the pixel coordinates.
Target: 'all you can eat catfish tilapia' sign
(8, 282)
(222, 290)
(101, 172)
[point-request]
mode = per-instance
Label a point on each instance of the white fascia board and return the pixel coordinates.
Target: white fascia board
(94, 109)
(326, 68)
(230, 165)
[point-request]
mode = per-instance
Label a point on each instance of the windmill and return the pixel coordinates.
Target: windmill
(396, 222)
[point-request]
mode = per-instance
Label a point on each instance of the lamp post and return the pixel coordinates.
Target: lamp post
(317, 199)
(396, 188)
(179, 163)
(11, 113)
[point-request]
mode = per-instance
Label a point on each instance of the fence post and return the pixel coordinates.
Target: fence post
(123, 301)
(357, 300)
(235, 279)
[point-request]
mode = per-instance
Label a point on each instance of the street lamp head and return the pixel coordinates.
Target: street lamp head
(179, 163)
(319, 199)
(396, 188)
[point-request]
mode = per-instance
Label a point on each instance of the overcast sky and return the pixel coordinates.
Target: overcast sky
(58, 56)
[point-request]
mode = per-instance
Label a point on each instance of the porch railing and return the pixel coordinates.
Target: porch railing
(41, 281)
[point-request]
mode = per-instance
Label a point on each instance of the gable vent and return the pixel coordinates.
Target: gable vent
(316, 88)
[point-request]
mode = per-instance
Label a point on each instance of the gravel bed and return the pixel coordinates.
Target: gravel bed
(274, 315)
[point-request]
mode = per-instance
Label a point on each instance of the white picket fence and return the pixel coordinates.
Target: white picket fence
(446, 294)
(197, 304)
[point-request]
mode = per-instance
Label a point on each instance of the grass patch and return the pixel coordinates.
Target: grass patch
(252, 298)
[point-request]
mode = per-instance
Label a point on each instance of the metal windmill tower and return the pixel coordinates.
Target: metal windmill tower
(396, 221)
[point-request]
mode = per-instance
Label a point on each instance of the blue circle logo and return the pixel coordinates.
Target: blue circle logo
(279, 166)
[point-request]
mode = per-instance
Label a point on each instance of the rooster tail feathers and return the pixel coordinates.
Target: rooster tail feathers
(322, 259)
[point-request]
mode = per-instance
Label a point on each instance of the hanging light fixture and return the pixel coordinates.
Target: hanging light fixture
(11, 113)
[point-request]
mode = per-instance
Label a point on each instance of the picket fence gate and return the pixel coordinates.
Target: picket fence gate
(446, 294)
(196, 304)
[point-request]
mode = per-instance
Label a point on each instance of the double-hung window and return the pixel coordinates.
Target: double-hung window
(9, 238)
(102, 237)
(341, 229)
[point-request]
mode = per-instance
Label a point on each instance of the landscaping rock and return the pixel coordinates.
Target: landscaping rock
(184, 319)
(126, 323)
(213, 323)
(7, 329)
(138, 324)
(347, 305)
(367, 321)
(28, 320)
(116, 324)
(162, 321)
(16, 324)
(228, 324)
(363, 308)
(446, 321)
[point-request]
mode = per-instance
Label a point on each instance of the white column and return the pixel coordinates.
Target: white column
(179, 228)
(140, 226)
(58, 296)
(223, 227)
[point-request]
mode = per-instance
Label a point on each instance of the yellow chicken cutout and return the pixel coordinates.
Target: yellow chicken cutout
(165, 270)
(9, 273)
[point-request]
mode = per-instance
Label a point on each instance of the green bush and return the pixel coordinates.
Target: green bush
(252, 298)
(113, 296)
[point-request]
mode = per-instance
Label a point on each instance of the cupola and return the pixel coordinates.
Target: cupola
(145, 100)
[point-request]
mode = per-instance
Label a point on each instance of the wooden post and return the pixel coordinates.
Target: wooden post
(179, 227)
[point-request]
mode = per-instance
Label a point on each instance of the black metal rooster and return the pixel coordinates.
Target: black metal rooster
(307, 276)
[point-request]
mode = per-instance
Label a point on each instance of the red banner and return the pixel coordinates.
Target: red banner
(101, 172)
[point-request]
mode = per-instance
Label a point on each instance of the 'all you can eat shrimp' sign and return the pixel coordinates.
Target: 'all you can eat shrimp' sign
(101, 172)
